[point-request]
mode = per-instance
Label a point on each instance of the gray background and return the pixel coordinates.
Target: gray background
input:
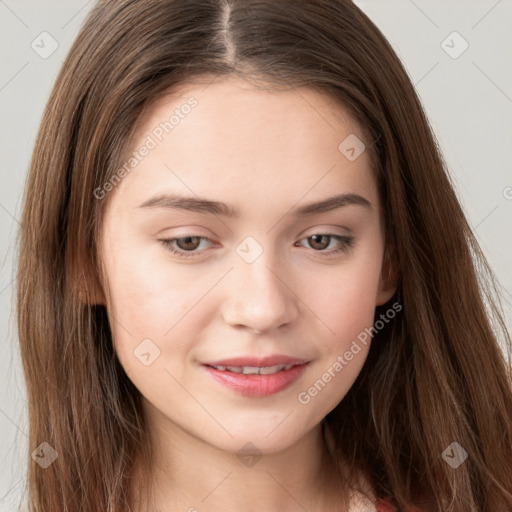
(468, 101)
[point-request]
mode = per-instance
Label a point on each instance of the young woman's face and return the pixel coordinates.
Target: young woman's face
(261, 277)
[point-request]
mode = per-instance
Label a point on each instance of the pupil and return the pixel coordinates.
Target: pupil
(315, 241)
(187, 241)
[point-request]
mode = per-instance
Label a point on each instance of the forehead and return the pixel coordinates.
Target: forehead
(237, 105)
(229, 138)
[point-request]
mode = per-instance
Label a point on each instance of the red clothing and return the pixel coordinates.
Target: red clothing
(385, 506)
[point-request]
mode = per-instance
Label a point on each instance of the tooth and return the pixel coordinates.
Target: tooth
(268, 370)
(255, 370)
(250, 370)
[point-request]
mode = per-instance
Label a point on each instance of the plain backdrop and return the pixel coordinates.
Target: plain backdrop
(464, 80)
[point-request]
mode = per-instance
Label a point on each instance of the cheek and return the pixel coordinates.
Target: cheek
(345, 299)
(149, 293)
(345, 304)
(149, 303)
(347, 313)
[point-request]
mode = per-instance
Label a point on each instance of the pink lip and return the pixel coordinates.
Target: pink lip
(257, 361)
(254, 384)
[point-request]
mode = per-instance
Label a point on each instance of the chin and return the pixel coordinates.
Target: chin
(262, 437)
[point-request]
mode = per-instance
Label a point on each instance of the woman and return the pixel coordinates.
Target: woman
(259, 367)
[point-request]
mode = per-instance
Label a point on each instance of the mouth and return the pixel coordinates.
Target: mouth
(256, 380)
(255, 370)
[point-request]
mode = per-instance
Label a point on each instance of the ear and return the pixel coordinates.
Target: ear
(388, 280)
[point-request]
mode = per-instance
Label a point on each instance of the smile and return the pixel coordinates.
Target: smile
(256, 381)
(255, 370)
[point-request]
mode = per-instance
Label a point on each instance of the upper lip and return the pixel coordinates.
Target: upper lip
(258, 362)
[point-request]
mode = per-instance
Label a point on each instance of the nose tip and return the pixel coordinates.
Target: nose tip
(258, 299)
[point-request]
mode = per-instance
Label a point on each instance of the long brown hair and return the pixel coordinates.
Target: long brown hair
(434, 376)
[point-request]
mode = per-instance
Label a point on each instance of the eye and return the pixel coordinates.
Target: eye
(187, 245)
(322, 241)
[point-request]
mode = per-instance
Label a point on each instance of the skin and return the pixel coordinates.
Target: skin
(267, 152)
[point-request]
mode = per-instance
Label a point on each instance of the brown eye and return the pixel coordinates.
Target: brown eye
(188, 243)
(185, 247)
(319, 242)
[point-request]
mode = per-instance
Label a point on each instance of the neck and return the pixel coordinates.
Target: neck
(190, 475)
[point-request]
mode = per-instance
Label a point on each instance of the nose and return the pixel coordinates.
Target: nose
(259, 297)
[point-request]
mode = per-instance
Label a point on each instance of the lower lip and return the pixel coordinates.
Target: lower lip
(257, 385)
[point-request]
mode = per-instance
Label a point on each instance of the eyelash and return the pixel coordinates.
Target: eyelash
(347, 243)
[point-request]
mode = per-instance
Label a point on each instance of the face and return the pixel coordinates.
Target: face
(236, 317)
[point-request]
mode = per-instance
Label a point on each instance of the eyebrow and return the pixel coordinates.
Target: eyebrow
(201, 205)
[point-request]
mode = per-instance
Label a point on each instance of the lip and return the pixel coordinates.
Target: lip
(256, 385)
(271, 360)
